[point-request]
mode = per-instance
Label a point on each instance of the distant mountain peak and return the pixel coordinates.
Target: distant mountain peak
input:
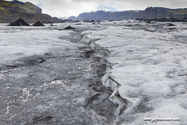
(17, 2)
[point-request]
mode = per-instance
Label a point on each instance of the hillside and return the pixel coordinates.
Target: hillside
(11, 11)
(148, 13)
(159, 12)
(29, 7)
(104, 15)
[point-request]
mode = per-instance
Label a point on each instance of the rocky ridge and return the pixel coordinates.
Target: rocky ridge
(11, 11)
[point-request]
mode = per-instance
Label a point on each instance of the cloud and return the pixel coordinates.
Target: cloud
(39, 5)
(62, 8)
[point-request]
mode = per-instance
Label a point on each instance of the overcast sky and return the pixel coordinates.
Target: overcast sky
(66, 8)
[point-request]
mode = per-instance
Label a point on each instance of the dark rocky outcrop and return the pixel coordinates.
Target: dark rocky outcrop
(170, 24)
(69, 28)
(19, 22)
(38, 23)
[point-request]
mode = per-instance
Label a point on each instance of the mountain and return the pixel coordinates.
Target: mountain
(11, 11)
(72, 18)
(159, 12)
(148, 13)
(106, 15)
(29, 7)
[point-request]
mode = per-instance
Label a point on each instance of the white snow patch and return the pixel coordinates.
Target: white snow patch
(19, 42)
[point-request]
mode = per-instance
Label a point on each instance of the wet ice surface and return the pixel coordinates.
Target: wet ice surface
(53, 76)
(148, 69)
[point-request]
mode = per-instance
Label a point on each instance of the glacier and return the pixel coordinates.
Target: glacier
(145, 75)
